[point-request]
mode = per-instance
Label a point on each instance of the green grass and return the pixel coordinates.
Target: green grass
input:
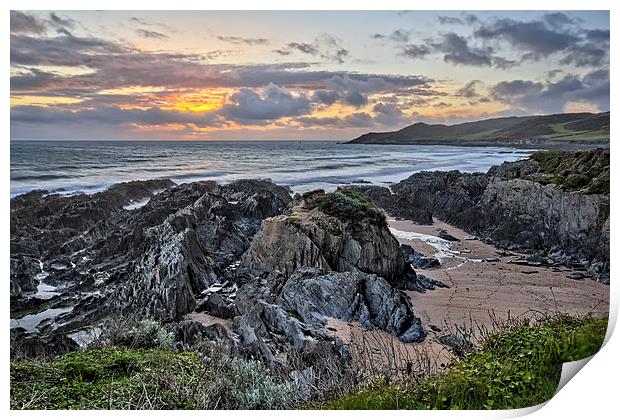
(351, 206)
(118, 378)
(586, 171)
(516, 368)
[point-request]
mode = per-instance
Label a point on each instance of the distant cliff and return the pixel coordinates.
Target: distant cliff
(558, 130)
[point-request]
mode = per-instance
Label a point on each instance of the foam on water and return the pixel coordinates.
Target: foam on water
(66, 167)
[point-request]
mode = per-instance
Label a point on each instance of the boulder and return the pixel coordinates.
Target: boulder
(314, 294)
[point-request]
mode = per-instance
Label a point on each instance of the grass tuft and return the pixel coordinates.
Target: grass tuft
(515, 368)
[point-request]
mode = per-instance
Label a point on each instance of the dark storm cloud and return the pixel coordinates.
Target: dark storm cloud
(27, 23)
(458, 51)
(585, 55)
(145, 33)
(326, 97)
(23, 23)
(527, 96)
(598, 35)
(276, 102)
(535, 38)
(239, 40)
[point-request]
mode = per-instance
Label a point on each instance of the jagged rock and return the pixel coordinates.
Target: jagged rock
(215, 305)
(314, 293)
(307, 236)
(394, 204)
(518, 206)
(416, 259)
(24, 270)
(153, 259)
(189, 334)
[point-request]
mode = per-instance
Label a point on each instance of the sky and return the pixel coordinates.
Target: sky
(268, 75)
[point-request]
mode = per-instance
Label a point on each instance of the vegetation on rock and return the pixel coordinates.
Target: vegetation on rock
(586, 171)
(349, 205)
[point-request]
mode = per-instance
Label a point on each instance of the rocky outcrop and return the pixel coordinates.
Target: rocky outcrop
(154, 259)
(309, 236)
(314, 294)
(417, 259)
(394, 204)
(449, 196)
(527, 205)
(331, 255)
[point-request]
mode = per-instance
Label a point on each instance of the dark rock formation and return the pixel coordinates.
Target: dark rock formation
(307, 236)
(418, 260)
(101, 258)
(314, 293)
(518, 206)
(394, 204)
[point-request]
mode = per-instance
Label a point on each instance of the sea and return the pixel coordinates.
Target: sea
(69, 167)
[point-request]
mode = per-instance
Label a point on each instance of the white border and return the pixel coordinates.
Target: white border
(591, 394)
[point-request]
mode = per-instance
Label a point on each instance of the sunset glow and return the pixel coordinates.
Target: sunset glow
(239, 75)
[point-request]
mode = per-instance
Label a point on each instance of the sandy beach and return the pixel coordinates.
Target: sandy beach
(484, 286)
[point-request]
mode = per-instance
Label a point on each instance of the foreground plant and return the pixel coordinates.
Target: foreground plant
(515, 368)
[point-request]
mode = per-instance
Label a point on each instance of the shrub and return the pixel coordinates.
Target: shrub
(147, 335)
(586, 171)
(115, 378)
(350, 206)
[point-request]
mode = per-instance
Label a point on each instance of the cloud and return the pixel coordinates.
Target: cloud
(151, 34)
(26, 23)
(527, 97)
(449, 20)
(109, 116)
(23, 23)
(558, 20)
(415, 51)
(469, 89)
(275, 102)
(458, 51)
(388, 114)
(239, 40)
(60, 22)
(324, 46)
(535, 38)
(356, 99)
(586, 55)
(326, 97)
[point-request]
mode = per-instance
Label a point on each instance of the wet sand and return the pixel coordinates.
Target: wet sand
(485, 289)
(482, 280)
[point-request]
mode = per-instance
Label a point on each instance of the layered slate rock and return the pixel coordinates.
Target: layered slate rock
(154, 259)
(314, 294)
(318, 233)
(554, 203)
(332, 255)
